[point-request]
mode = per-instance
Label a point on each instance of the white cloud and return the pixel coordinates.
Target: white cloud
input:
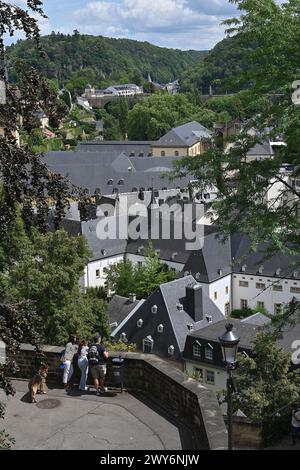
(174, 23)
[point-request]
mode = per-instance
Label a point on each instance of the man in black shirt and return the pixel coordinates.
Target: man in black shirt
(97, 357)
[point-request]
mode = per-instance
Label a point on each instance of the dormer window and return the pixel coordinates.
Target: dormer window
(154, 309)
(197, 276)
(296, 274)
(148, 344)
(197, 349)
(103, 252)
(176, 153)
(162, 153)
(190, 326)
(171, 350)
(140, 249)
(160, 328)
(129, 169)
(278, 271)
(120, 182)
(123, 337)
(110, 182)
(220, 272)
(174, 255)
(139, 323)
(208, 318)
(260, 269)
(179, 307)
(208, 352)
(244, 267)
(134, 190)
(157, 252)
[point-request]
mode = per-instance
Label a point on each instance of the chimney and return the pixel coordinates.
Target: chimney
(132, 297)
(193, 298)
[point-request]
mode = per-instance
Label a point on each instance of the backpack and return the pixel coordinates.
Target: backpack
(93, 355)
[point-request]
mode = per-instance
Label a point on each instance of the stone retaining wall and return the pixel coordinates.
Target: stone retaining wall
(182, 397)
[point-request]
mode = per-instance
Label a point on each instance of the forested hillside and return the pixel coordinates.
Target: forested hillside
(80, 59)
(222, 68)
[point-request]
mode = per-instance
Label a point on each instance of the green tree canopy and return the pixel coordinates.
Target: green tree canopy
(243, 184)
(125, 277)
(47, 273)
(264, 381)
(156, 115)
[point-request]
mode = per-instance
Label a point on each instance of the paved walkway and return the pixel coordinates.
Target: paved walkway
(62, 420)
(284, 444)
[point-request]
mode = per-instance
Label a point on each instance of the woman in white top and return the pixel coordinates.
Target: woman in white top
(70, 351)
(83, 364)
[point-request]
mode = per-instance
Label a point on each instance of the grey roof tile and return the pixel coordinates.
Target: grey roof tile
(119, 307)
(184, 136)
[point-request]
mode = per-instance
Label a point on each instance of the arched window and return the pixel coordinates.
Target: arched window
(176, 153)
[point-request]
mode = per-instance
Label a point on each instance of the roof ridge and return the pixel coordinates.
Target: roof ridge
(170, 317)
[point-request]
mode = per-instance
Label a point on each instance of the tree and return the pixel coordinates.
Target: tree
(27, 187)
(119, 110)
(124, 277)
(47, 274)
(242, 205)
(264, 381)
(156, 115)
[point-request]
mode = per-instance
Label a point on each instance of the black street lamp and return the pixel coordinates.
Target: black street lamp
(229, 344)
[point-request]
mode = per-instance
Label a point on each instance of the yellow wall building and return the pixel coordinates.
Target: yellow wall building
(187, 140)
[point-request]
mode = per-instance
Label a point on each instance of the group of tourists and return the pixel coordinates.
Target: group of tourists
(88, 358)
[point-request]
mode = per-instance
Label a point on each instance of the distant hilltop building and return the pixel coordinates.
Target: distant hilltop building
(127, 89)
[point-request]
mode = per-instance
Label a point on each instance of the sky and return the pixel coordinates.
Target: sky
(182, 24)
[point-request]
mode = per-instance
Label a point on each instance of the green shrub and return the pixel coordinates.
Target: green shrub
(6, 441)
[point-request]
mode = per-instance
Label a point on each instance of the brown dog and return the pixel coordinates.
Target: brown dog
(38, 383)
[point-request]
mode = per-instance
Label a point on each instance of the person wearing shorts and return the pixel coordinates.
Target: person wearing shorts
(97, 364)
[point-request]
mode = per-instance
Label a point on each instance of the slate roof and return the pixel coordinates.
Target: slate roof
(212, 332)
(91, 169)
(184, 136)
(175, 322)
(242, 256)
(119, 307)
(246, 329)
(213, 261)
(258, 319)
(261, 149)
(101, 249)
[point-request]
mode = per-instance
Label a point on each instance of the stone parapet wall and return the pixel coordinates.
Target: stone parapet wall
(180, 396)
(246, 434)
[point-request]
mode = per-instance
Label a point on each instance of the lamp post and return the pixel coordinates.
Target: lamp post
(229, 344)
